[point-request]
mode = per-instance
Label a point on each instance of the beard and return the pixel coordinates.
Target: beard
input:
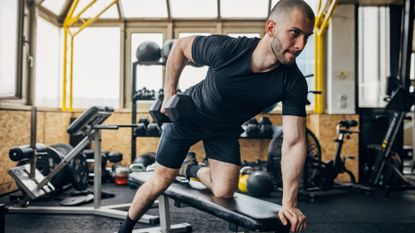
(279, 51)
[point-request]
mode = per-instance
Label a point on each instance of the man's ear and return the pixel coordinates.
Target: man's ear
(270, 26)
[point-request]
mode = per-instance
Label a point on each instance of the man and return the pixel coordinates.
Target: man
(245, 76)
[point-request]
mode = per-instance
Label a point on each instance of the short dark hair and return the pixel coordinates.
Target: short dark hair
(285, 6)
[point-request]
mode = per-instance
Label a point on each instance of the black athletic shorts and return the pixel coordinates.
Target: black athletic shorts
(178, 137)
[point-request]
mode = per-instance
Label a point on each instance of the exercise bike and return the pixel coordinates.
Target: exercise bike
(318, 176)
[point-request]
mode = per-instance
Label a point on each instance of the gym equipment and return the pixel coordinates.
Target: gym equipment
(260, 184)
(144, 94)
(47, 159)
(166, 48)
(77, 200)
(265, 128)
(141, 129)
(320, 176)
(255, 183)
(77, 167)
(252, 128)
(178, 107)
(148, 52)
(121, 175)
(146, 159)
(34, 184)
(244, 174)
(154, 129)
(241, 211)
(19, 153)
(385, 171)
(274, 155)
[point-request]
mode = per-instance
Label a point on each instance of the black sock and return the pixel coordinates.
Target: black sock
(192, 170)
(128, 225)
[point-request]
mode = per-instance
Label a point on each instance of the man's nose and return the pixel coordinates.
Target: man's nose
(300, 43)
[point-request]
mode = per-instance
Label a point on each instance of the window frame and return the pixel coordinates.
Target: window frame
(18, 93)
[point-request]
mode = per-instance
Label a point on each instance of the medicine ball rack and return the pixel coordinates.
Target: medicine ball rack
(33, 184)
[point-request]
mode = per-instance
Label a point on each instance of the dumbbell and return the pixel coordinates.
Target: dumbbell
(265, 128)
(178, 107)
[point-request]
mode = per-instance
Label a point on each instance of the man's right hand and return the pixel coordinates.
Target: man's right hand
(164, 104)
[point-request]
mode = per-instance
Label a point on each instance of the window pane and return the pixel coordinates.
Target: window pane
(243, 34)
(54, 5)
(96, 78)
(8, 47)
(312, 3)
(372, 56)
(150, 77)
(193, 8)
(97, 7)
(244, 8)
(48, 61)
(192, 75)
(144, 8)
(305, 62)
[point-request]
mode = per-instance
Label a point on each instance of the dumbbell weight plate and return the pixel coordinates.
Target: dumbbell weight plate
(79, 172)
(77, 167)
(180, 107)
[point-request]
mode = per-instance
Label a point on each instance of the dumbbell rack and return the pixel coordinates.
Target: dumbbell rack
(134, 104)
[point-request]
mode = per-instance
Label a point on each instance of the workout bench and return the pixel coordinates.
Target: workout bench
(248, 213)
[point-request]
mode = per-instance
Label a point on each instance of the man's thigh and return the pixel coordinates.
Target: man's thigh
(174, 144)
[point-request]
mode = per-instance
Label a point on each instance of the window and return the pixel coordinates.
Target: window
(56, 6)
(244, 34)
(97, 7)
(305, 62)
(373, 56)
(193, 8)
(244, 8)
(144, 8)
(9, 31)
(96, 79)
(48, 60)
(191, 75)
(150, 77)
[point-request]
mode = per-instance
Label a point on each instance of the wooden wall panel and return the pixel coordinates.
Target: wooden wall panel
(51, 129)
(14, 130)
(55, 126)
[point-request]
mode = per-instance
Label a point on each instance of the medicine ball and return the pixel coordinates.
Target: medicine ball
(166, 48)
(260, 184)
(146, 159)
(148, 51)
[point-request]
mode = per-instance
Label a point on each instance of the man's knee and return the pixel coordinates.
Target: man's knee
(223, 191)
(162, 177)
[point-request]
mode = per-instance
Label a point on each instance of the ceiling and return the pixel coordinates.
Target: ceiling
(177, 9)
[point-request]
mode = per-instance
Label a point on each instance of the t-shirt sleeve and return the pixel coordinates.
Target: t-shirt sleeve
(295, 97)
(211, 50)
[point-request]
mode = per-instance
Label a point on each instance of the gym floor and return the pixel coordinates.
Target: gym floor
(333, 211)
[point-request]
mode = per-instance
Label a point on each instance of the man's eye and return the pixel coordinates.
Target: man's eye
(295, 33)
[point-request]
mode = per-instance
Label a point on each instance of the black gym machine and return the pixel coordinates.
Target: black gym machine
(35, 185)
(384, 171)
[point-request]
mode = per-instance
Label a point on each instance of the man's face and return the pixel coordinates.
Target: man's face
(290, 36)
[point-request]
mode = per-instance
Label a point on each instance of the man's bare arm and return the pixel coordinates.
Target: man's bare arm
(293, 157)
(179, 55)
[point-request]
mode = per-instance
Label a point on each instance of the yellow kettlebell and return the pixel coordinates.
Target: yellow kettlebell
(243, 179)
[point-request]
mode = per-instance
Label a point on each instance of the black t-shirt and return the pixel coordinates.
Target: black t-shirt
(232, 93)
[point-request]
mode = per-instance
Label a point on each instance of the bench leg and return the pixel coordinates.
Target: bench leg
(2, 218)
(164, 214)
(165, 224)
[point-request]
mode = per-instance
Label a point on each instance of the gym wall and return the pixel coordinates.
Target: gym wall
(51, 129)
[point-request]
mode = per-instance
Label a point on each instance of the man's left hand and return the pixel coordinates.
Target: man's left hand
(293, 216)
